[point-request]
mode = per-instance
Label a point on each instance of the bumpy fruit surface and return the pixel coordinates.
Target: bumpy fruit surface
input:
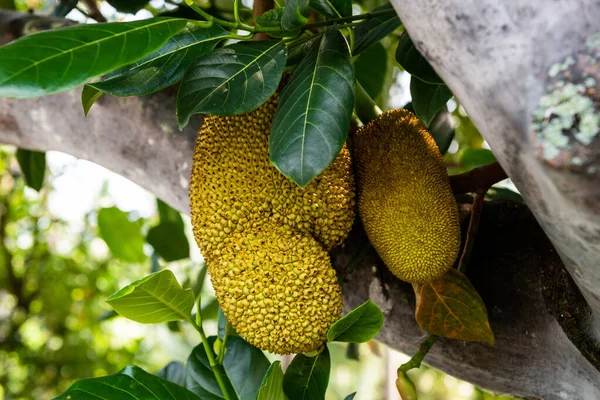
(264, 238)
(404, 197)
(277, 288)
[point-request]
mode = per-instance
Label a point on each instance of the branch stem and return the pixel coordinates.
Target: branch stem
(481, 178)
(417, 358)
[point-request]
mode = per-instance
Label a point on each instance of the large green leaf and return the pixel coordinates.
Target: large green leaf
(375, 29)
(56, 60)
(154, 299)
(371, 69)
(413, 62)
(359, 325)
(272, 385)
(165, 66)
(33, 166)
(245, 366)
(451, 307)
(174, 372)
(314, 112)
(129, 383)
(332, 8)
(295, 14)
(123, 237)
(306, 378)
(428, 99)
(200, 378)
(231, 80)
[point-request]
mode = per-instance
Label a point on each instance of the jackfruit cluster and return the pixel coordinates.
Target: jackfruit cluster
(404, 197)
(265, 239)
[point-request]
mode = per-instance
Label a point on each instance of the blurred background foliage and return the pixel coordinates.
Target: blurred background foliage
(65, 248)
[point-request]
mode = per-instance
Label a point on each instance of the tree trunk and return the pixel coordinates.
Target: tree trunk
(543, 349)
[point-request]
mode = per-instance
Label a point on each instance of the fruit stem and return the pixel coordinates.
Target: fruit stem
(365, 107)
(417, 358)
(476, 211)
(221, 355)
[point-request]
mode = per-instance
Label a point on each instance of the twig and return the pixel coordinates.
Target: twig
(477, 179)
(94, 11)
(476, 211)
(417, 358)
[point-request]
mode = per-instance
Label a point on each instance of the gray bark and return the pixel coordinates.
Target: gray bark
(542, 348)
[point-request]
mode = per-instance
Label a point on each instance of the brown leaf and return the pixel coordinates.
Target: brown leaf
(451, 307)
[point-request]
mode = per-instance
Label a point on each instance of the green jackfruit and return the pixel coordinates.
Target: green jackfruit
(404, 197)
(257, 229)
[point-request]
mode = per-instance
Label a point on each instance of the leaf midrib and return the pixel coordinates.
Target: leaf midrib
(37, 63)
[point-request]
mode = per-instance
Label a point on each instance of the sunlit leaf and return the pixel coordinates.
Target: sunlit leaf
(451, 307)
(272, 384)
(375, 29)
(428, 99)
(314, 112)
(165, 66)
(231, 80)
(56, 60)
(123, 237)
(359, 325)
(33, 166)
(129, 383)
(306, 378)
(154, 299)
(414, 63)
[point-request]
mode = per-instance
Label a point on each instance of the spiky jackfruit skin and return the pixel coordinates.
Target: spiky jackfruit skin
(260, 233)
(235, 187)
(277, 288)
(404, 197)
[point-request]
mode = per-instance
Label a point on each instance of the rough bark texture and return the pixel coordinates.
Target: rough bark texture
(522, 280)
(500, 58)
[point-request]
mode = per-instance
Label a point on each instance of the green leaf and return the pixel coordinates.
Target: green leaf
(375, 29)
(174, 372)
(359, 325)
(169, 241)
(332, 8)
(312, 119)
(245, 366)
(89, 95)
(414, 63)
(154, 299)
(428, 99)
(165, 66)
(295, 14)
(200, 378)
(441, 128)
(128, 6)
(451, 307)
(472, 157)
(56, 60)
(129, 383)
(352, 351)
(371, 69)
(306, 378)
(231, 80)
(272, 384)
(271, 18)
(166, 213)
(33, 166)
(123, 237)
(350, 396)
(298, 52)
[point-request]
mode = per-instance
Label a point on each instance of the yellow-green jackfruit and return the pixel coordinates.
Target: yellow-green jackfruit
(404, 197)
(260, 233)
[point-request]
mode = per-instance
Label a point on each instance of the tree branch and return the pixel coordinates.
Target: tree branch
(533, 357)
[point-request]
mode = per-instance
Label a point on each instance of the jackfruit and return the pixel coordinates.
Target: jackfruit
(404, 197)
(277, 288)
(264, 238)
